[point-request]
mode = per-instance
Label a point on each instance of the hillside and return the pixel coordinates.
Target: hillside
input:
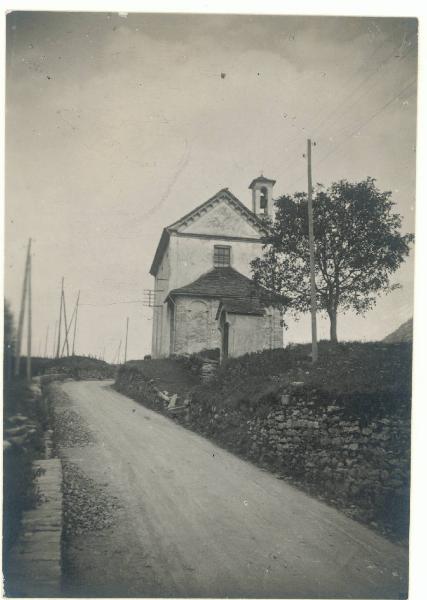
(401, 334)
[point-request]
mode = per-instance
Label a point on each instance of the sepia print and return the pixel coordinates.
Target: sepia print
(209, 258)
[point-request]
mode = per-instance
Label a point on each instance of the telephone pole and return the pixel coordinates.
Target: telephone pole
(126, 342)
(54, 339)
(29, 324)
(58, 347)
(314, 350)
(65, 325)
(22, 312)
(75, 323)
(68, 327)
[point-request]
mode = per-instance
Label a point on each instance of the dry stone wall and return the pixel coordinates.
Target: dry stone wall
(359, 463)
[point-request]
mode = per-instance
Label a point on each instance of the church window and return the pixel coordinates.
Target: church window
(222, 256)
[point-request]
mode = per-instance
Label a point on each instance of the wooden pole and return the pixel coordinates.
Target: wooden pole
(70, 324)
(29, 324)
(75, 323)
(126, 342)
(22, 312)
(65, 324)
(54, 339)
(314, 349)
(58, 347)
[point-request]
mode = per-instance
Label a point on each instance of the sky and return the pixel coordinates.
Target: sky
(118, 124)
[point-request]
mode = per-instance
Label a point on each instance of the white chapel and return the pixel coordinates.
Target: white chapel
(204, 297)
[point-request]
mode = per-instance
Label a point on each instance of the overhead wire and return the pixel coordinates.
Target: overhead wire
(376, 113)
(359, 86)
(381, 64)
(355, 99)
(366, 122)
(350, 78)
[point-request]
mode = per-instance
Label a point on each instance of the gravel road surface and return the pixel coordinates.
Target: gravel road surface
(191, 520)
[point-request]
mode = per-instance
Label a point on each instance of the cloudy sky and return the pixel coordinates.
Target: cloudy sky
(117, 124)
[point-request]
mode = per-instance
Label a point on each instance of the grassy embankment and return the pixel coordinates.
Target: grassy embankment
(339, 429)
(367, 378)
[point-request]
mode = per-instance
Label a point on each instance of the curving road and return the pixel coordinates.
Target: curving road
(196, 521)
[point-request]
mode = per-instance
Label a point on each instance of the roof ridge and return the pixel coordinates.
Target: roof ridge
(164, 238)
(248, 213)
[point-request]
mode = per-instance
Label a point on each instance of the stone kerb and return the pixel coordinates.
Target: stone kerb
(34, 567)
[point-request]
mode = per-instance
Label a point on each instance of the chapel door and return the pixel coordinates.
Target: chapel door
(225, 340)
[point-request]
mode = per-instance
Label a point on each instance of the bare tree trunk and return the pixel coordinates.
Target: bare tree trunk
(333, 325)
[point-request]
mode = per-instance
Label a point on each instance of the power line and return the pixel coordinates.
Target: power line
(355, 100)
(349, 78)
(333, 112)
(361, 126)
(364, 123)
(114, 303)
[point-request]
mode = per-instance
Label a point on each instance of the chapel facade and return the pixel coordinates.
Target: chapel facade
(204, 297)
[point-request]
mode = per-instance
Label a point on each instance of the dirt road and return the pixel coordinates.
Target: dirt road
(193, 520)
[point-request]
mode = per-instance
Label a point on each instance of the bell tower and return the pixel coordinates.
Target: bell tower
(262, 196)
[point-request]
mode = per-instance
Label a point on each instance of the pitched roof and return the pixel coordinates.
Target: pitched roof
(261, 179)
(227, 283)
(218, 282)
(223, 194)
(248, 306)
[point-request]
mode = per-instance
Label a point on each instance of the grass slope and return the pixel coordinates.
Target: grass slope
(168, 375)
(367, 378)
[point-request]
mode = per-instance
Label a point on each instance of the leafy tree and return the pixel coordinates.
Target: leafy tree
(358, 245)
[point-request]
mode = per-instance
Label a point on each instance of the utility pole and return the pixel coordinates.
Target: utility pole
(126, 342)
(60, 321)
(75, 322)
(29, 324)
(65, 324)
(68, 328)
(22, 312)
(314, 350)
(118, 352)
(54, 339)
